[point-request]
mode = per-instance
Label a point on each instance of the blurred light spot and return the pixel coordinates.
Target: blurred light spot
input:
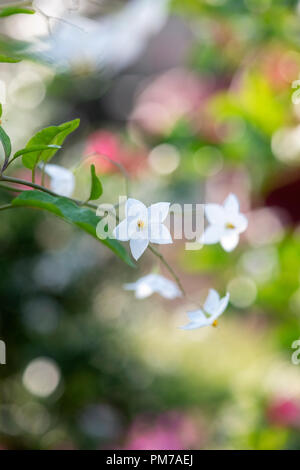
(261, 263)
(41, 314)
(54, 271)
(286, 144)
(27, 90)
(208, 161)
(8, 423)
(164, 159)
(264, 227)
(33, 418)
(52, 234)
(167, 98)
(100, 421)
(242, 291)
(41, 377)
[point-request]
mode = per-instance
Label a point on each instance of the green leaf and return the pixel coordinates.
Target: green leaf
(54, 135)
(96, 186)
(0, 109)
(35, 148)
(8, 11)
(81, 217)
(8, 60)
(5, 140)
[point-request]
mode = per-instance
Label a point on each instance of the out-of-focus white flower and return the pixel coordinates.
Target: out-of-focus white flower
(226, 223)
(111, 42)
(143, 225)
(148, 285)
(213, 306)
(62, 181)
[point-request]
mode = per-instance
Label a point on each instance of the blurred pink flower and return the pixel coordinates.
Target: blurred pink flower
(176, 94)
(103, 144)
(284, 412)
(280, 67)
(169, 431)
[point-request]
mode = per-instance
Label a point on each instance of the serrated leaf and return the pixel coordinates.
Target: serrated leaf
(8, 11)
(96, 186)
(5, 140)
(9, 60)
(81, 217)
(54, 135)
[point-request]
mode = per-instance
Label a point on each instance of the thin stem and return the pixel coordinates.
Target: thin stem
(7, 206)
(33, 174)
(169, 268)
(10, 179)
(43, 173)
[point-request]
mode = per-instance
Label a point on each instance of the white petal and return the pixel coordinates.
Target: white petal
(222, 306)
(143, 290)
(122, 231)
(196, 315)
(198, 320)
(193, 325)
(163, 286)
(229, 242)
(138, 247)
(212, 302)
(240, 222)
(136, 209)
(212, 234)
(158, 212)
(223, 303)
(62, 180)
(215, 214)
(231, 204)
(159, 233)
(169, 291)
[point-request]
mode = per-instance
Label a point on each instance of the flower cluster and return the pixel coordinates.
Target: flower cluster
(143, 225)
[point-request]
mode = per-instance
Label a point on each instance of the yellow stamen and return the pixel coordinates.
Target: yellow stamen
(215, 323)
(230, 225)
(140, 224)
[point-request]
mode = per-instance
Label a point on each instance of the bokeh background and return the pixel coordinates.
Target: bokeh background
(194, 98)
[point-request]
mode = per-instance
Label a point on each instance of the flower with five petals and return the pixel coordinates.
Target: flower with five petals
(225, 223)
(143, 225)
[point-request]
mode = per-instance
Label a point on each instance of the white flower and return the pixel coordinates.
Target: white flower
(111, 42)
(147, 285)
(143, 225)
(226, 223)
(213, 306)
(62, 181)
